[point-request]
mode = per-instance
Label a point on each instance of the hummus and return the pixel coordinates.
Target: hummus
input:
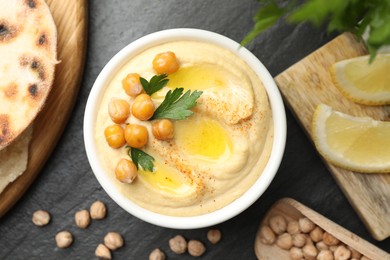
(217, 153)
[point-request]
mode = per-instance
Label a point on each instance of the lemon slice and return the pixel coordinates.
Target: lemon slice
(364, 83)
(359, 144)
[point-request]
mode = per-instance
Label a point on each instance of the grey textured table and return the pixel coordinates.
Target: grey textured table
(67, 184)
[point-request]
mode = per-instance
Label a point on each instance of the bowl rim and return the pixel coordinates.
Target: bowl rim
(245, 200)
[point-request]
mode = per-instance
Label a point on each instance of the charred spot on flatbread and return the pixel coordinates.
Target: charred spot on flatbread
(33, 90)
(4, 128)
(42, 39)
(39, 68)
(7, 31)
(31, 3)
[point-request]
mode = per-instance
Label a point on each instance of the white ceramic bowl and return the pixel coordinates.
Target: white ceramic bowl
(232, 209)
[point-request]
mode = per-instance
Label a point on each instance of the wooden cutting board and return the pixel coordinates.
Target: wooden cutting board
(70, 17)
(307, 84)
(292, 210)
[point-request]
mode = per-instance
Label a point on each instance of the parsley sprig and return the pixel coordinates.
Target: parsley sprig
(141, 158)
(344, 15)
(176, 105)
(156, 83)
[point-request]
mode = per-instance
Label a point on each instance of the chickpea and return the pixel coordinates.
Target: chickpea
(143, 107)
(41, 218)
(306, 225)
(299, 240)
(284, 241)
(132, 84)
(114, 136)
(196, 248)
(316, 234)
(98, 210)
(119, 110)
(267, 236)
(296, 253)
(278, 224)
(325, 255)
(162, 129)
(166, 63)
(157, 254)
(113, 240)
(309, 252)
(293, 227)
(102, 252)
(354, 253)
(82, 218)
(322, 246)
(178, 244)
(64, 239)
(125, 171)
(214, 236)
(329, 239)
(136, 135)
(342, 253)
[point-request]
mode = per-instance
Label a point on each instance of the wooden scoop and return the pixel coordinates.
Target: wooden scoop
(293, 210)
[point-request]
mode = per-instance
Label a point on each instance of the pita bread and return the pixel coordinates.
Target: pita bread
(28, 42)
(13, 159)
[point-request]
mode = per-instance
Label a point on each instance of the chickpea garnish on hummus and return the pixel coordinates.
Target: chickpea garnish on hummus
(176, 105)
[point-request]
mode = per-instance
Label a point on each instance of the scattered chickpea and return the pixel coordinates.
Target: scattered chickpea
(306, 225)
(325, 255)
(278, 224)
(178, 244)
(309, 251)
(162, 129)
(299, 240)
(267, 236)
(82, 218)
(157, 254)
(41, 218)
(321, 246)
(342, 253)
(166, 63)
(333, 248)
(316, 234)
(114, 136)
(64, 239)
(132, 84)
(118, 110)
(196, 248)
(98, 210)
(136, 135)
(142, 107)
(284, 241)
(113, 240)
(126, 171)
(102, 252)
(293, 227)
(329, 239)
(296, 253)
(214, 236)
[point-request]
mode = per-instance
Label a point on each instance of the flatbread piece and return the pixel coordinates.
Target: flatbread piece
(28, 42)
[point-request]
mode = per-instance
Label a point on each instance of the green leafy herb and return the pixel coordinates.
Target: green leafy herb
(176, 105)
(140, 158)
(340, 15)
(156, 83)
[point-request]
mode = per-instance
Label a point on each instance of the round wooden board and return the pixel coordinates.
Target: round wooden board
(71, 20)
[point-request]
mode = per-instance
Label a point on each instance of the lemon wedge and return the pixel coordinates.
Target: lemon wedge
(359, 144)
(362, 82)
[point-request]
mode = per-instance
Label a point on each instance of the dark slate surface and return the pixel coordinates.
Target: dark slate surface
(67, 184)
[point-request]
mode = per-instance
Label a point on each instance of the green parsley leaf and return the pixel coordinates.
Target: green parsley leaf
(140, 158)
(177, 106)
(156, 83)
